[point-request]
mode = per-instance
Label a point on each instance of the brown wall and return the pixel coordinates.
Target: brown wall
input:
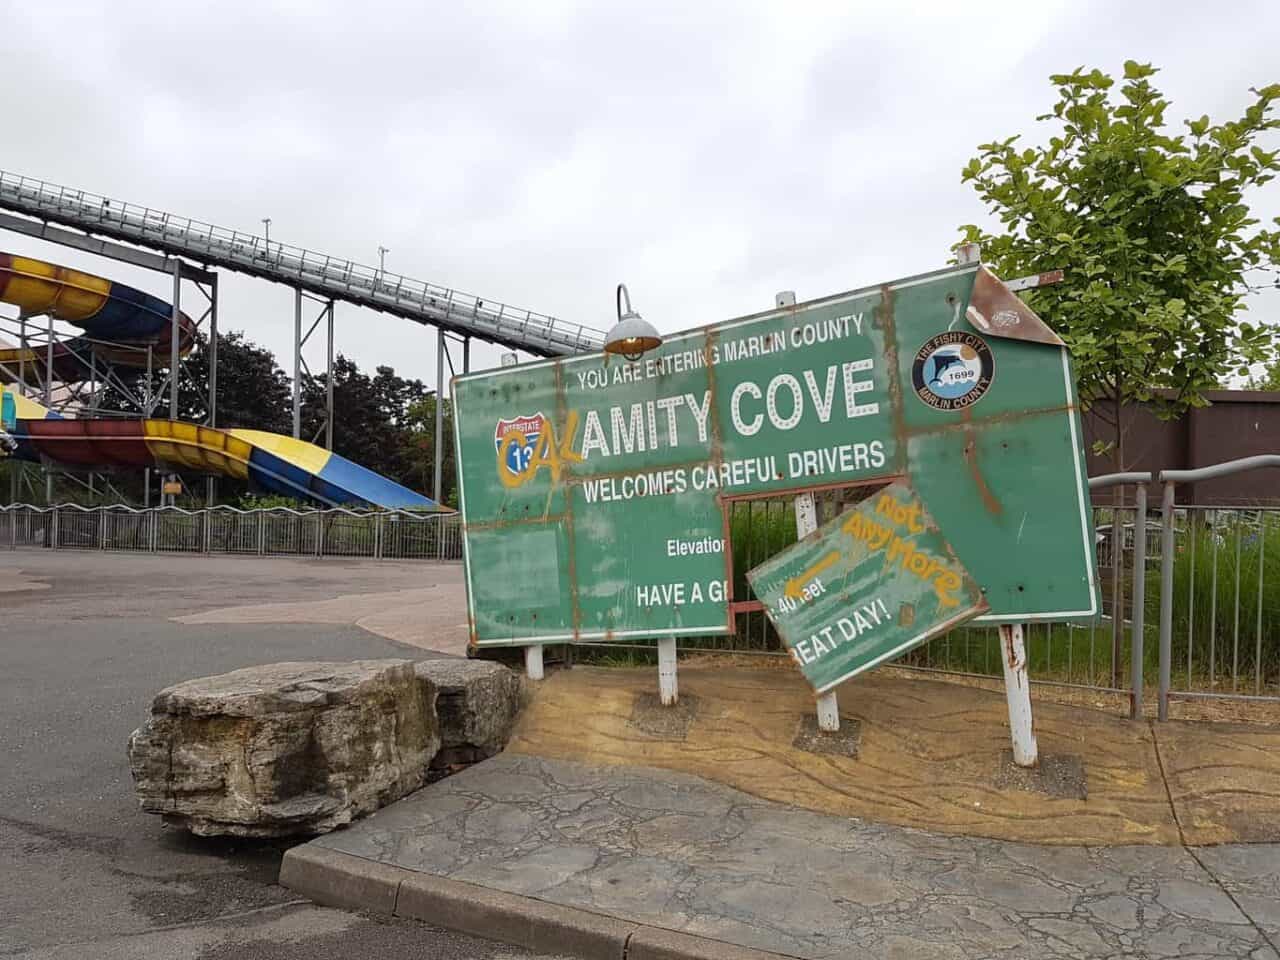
(1237, 423)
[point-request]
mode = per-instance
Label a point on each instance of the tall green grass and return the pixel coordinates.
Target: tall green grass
(1063, 652)
(1226, 600)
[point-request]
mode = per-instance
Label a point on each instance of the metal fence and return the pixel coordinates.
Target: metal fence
(277, 531)
(1190, 593)
(1105, 653)
(1219, 633)
(1190, 605)
(1093, 653)
(1224, 629)
(1216, 637)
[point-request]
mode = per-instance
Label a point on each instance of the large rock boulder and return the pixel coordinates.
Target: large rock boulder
(286, 748)
(477, 707)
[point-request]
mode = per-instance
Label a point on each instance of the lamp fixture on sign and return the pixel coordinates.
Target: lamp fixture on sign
(632, 335)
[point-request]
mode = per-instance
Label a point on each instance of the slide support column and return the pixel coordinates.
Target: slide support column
(297, 363)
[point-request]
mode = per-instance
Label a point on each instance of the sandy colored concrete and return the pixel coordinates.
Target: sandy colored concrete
(433, 617)
(419, 603)
(16, 581)
(928, 756)
(1224, 779)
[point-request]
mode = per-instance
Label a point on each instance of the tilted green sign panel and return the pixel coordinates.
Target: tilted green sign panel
(865, 587)
(593, 489)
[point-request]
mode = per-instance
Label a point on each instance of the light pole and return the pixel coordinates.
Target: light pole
(266, 222)
(382, 261)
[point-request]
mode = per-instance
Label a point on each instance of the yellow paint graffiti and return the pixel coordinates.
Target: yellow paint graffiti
(547, 452)
(937, 572)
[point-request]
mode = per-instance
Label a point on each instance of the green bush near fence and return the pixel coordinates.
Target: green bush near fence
(1224, 625)
(758, 529)
(1062, 652)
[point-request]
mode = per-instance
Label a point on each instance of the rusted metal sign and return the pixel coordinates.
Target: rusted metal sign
(594, 490)
(865, 587)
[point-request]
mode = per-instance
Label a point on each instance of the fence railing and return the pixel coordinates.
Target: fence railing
(265, 532)
(1219, 627)
(1190, 601)
(1190, 594)
(1105, 653)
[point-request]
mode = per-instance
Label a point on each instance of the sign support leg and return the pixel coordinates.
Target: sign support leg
(829, 713)
(668, 687)
(1017, 690)
(533, 661)
(828, 704)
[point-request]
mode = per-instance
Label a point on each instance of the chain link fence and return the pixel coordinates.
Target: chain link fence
(276, 531)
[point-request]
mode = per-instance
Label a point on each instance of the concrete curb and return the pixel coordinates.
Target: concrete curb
(338, 879)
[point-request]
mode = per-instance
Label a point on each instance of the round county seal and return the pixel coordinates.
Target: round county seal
(953, 370)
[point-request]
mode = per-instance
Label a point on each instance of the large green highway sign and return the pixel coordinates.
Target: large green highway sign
(594, 491)
(865, 587)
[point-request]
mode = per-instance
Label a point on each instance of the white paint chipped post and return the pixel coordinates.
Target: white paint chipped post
(1013, 648)
(1017, 691)
(668, 685)
(806, 522)
(533, 661)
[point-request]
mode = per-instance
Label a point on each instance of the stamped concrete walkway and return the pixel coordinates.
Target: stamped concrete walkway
(676, 851)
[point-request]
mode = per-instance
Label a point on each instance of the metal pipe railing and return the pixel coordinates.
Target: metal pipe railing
(1224, 469)
(1117, 480)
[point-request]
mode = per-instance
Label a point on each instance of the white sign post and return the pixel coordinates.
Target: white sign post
(533, 661)
(1017, 691)
(668, 687)
(806, 522)
(1013, 648)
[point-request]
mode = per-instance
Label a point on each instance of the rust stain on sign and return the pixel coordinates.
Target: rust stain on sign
(594, 492)
(995, 310)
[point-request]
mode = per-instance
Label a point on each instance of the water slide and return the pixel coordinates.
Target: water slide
(120, 324)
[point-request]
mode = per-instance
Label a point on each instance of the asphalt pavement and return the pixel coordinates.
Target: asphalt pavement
(85, 642)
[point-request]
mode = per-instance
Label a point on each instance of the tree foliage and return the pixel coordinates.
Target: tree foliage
(422, 432)
(1152, 228)
(253, 392)
(372, 422)
(1268, 379)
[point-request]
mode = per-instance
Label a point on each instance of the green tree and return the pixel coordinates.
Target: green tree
(1269, 379)
(253, 392)
(422, 443)
(1152, 229)
(373, 424)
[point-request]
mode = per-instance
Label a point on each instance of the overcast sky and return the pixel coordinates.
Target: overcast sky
(539, 152)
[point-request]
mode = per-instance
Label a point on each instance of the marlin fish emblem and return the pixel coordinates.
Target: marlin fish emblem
(941, 363)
